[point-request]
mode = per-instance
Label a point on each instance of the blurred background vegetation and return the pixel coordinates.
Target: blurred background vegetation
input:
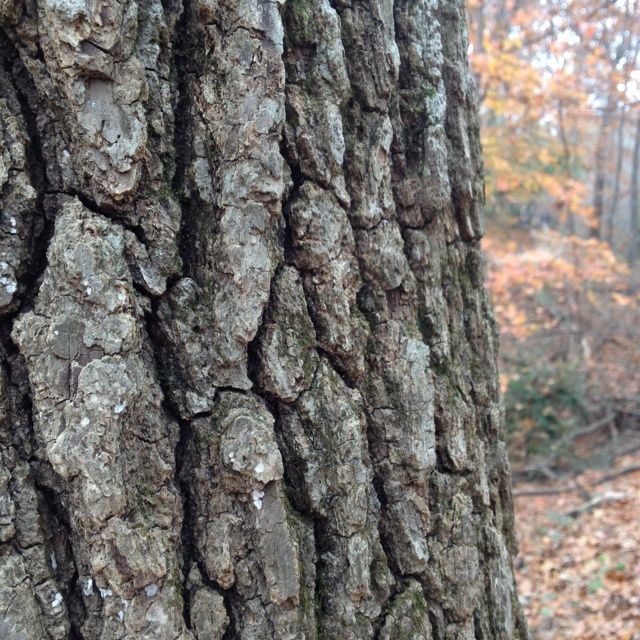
(559, 92)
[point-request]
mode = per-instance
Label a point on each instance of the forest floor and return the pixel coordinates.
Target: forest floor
(578, 570)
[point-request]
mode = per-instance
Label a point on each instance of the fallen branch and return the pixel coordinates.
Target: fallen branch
(583, 431)
(596, 501)
(578, 488)
(617, 474)
(525, 474)
(552, 491)
(624, 451)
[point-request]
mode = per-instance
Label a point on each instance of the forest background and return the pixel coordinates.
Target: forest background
(559, 87)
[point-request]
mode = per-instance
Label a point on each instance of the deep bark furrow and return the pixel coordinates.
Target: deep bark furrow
(35, 539)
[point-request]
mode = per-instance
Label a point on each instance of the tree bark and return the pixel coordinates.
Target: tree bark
(249, 383)
(615, 201)
(634, 217)
(600, 170)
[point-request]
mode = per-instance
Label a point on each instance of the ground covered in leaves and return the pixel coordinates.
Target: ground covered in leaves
(579, 566)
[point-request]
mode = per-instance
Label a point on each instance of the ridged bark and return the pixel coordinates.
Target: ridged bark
(249, 383)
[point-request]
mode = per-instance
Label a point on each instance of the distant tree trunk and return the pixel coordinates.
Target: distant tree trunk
(626, 54)
(615, 200)
(601, 170)
(634, 218)
(566, 165)
(479, 16)
(249, 366)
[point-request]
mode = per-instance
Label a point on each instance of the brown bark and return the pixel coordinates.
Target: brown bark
(601, 169)
(566, 166)
(634, 218)
(249, 384)
(615, 200)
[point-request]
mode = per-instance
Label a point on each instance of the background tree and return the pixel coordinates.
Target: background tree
(249, 366)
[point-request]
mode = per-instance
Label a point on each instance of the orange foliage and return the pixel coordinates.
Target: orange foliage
(567, 299)
(545, 71)
(566, 267)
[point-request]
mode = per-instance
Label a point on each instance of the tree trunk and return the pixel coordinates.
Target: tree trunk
(249, 383)
(602, 146)
(615, 201)
(634, 217)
